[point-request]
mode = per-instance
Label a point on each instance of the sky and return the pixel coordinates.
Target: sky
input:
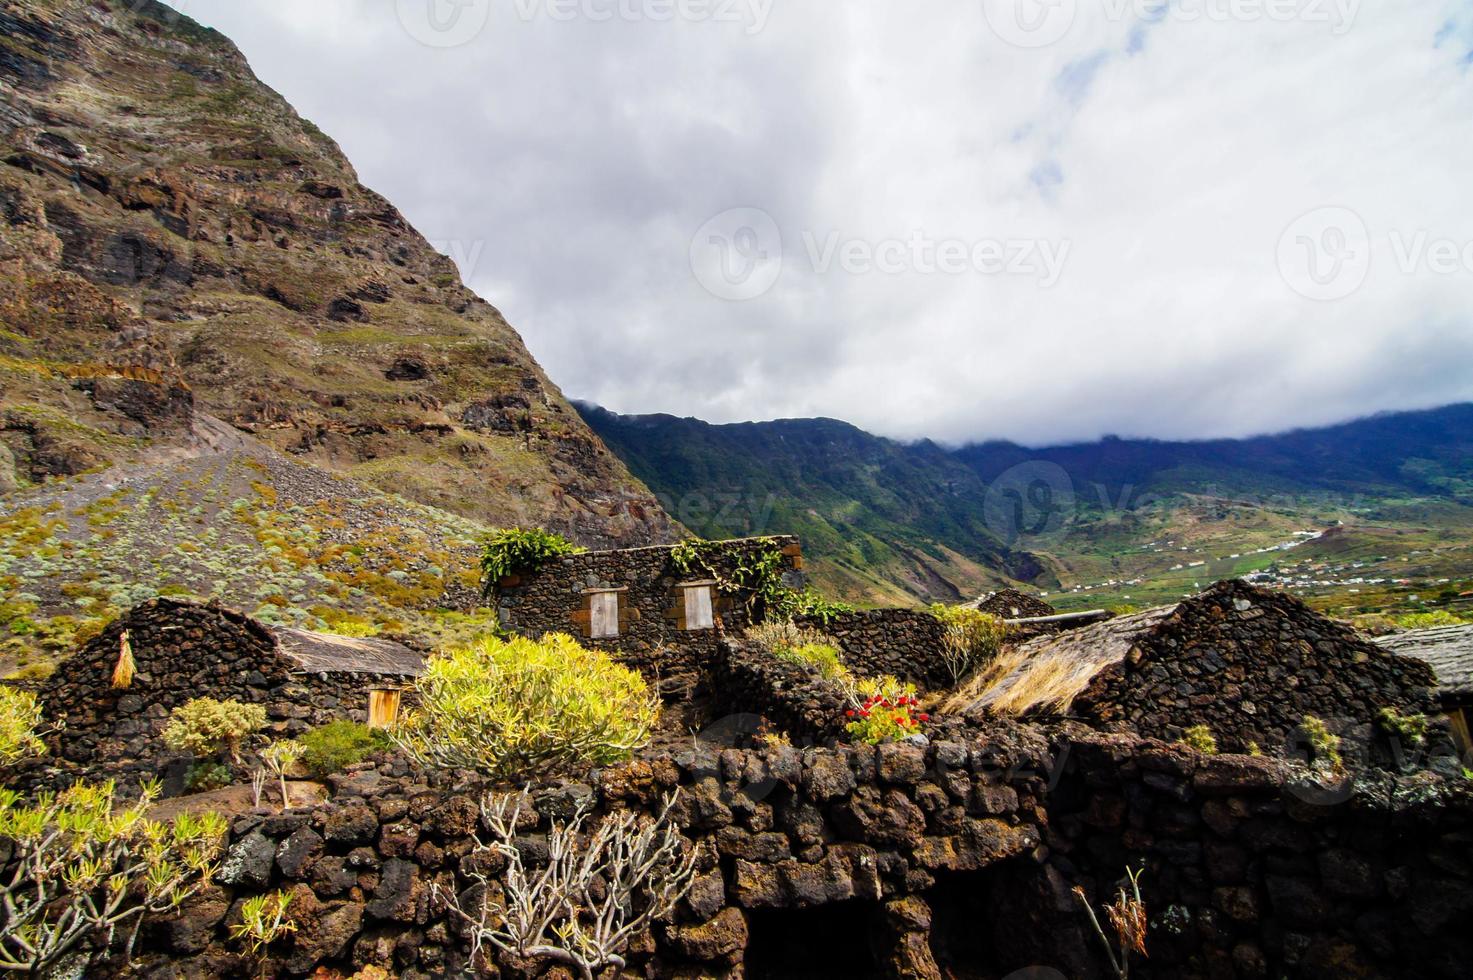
(1039, 220)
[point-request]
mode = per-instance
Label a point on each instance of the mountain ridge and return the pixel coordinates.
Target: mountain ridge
(988, 500)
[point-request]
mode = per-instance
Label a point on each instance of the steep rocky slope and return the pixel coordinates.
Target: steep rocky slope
(176, 242)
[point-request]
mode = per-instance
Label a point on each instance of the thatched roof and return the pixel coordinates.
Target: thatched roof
(323, 653)
(1051, 670)
(1447, 649)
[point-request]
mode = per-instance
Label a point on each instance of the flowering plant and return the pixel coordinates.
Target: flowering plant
(888, 712)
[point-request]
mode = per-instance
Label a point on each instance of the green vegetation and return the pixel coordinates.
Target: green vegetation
(20, 717)
(1199, 738)
(514, 708)
(519, 551)
(1409, 728)
(887, 711)
(1324, 744)
(1428, 620)
(205, 776)
(335, 746)
(756, 576)
(263, 920)
(971, 639)
(207, 727)
(83, 868)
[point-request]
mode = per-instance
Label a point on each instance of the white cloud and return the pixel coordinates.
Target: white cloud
(1169, 153)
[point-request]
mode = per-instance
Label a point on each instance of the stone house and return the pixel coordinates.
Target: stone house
(637, 603)
(1248, 663)
(1449, 652)
(185, 650)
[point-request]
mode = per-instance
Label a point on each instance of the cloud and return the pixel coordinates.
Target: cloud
(1168, 151)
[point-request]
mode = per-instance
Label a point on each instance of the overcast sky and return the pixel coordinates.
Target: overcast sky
(1041, 220)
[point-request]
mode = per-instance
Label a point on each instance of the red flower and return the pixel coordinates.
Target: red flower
(849, 713)
(924, 716)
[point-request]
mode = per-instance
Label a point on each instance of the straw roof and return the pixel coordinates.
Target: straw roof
(1050, 671)
(323, 653)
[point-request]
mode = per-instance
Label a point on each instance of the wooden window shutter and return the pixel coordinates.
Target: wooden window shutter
(699, 612)
(603, 618)
(383, 708)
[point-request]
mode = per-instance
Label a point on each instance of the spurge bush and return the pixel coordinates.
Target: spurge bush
(510, 708)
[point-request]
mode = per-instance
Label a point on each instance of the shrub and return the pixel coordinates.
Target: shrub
(597, 889)
(782, 635)
(205, 726)
(263, 920)
(279, 758)
(333, 747)
(517, 551)
(509, 708)
(20, 715)
(887, 712)
(1323, 743)
(1410, 728)
(970, 638)
(820, 657)
(84, 868)
(205, 776)
(1200, 739)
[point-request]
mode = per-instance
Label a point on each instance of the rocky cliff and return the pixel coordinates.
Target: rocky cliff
(178, 245)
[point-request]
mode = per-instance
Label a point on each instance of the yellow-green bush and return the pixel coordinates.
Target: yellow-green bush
(84, 869)
(205, 726)
(1201, 739)
(510, 708)
(20, 715)
(970, 638)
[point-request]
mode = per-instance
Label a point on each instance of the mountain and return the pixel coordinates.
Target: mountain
(884, 521)
(229, 369)
(175, 241)
(1123, 520)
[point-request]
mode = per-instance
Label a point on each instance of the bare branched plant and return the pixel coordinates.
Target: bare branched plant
(602, 886)
(258, 785)
(1127, 915)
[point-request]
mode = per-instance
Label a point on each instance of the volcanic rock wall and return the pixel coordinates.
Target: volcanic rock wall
(1251, 664)
(904, 643)
(903, 861)
(183, 651)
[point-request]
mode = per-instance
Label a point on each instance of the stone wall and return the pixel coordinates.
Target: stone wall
(901, 861)
(186, 650)
(1251, 664)
(1253, 871)
(905, 643)
(552, 600)
(779, 829)
(749, 680)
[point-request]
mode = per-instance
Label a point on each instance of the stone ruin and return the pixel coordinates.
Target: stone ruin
(185, 650)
